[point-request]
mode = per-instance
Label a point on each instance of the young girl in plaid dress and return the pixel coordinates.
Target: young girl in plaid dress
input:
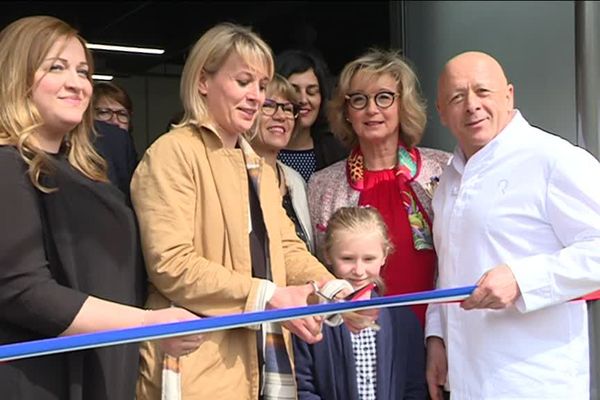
(385, 361)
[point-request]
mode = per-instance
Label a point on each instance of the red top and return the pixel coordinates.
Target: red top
(406, 269)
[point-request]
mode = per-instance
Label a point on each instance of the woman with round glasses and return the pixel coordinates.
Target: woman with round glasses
(112, 105)
(275, 127)
(379, 113)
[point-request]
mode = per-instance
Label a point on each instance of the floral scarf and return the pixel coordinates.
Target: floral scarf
(406, 170)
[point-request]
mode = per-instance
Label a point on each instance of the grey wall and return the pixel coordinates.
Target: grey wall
(155, 100)
(533, 40)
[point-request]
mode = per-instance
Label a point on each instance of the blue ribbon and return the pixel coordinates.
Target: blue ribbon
(161, 331)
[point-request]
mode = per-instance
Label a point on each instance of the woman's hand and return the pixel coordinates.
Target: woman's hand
(308, 328)
(177, 346)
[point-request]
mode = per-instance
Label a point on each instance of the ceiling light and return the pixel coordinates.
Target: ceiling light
(124, 49)
(99, 77)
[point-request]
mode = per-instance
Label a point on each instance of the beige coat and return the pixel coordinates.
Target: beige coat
(191, 199)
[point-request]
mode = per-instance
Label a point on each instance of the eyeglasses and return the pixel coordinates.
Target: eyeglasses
(269, 108)
(106, 114)
(359, 101)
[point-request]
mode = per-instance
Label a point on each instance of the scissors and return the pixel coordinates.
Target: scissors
(335, 319)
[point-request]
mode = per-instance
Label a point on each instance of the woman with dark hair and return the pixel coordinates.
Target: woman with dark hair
(313, 147)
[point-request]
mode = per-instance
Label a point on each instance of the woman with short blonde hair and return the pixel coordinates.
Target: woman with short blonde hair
(215, 237)
(275, 127)
(411, 105)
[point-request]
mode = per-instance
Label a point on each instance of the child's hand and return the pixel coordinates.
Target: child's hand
(356, 321)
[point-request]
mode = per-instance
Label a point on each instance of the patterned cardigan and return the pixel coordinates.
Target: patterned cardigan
(328, 190)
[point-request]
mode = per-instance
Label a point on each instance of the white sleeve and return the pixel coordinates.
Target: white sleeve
(573, 211)
(433, 321)
(266, 290)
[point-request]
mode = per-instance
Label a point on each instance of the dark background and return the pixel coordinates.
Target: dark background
(338, 30)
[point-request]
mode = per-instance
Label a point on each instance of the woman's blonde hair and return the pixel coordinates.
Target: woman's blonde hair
(24, 45)
(376, 63)
(208, 55)
(279, 86)
(357, 219)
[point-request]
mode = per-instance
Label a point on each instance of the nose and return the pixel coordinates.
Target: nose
(359, 268)
(473, 102)
(303, 97)
(254, 93)
(73, 80)
(113, 119)
(279, 115)
(371, 106)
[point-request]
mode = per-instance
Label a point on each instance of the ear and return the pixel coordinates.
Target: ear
(510, 96)
(203, 84)
(385, 259)
(440, 113)
(327, 259)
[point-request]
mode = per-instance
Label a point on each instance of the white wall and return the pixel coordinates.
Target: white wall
(533, 40)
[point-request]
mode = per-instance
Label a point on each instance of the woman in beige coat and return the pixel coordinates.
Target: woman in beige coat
(215, 237)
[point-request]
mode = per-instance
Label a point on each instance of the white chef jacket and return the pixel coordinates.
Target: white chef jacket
(531, 200)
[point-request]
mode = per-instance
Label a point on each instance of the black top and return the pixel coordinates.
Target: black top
(303, 161)
(291, 213)
(116, 146)
(54, 250)
(328, 150)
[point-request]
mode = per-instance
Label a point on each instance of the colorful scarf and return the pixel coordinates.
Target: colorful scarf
(406, 169)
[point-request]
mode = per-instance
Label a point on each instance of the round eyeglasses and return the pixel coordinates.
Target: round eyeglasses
(269, 108)
(359, 101)
(106, 114)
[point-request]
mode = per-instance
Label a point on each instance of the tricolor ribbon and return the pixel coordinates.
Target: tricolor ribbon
(162, 331)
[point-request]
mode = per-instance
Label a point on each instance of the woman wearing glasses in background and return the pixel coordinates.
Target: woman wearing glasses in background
(113, 105)
(112, 113)
(378, 112)
(275, 127)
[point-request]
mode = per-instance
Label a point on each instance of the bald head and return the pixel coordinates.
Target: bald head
(472, 62)
(475, 100)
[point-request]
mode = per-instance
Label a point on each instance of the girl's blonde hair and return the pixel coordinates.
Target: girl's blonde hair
(24, 45)
(208, 55)
(357, 219)
(376, 63)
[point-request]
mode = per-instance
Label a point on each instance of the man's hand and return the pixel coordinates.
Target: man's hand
(496, 289)
(437, 367)
(308, 328)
